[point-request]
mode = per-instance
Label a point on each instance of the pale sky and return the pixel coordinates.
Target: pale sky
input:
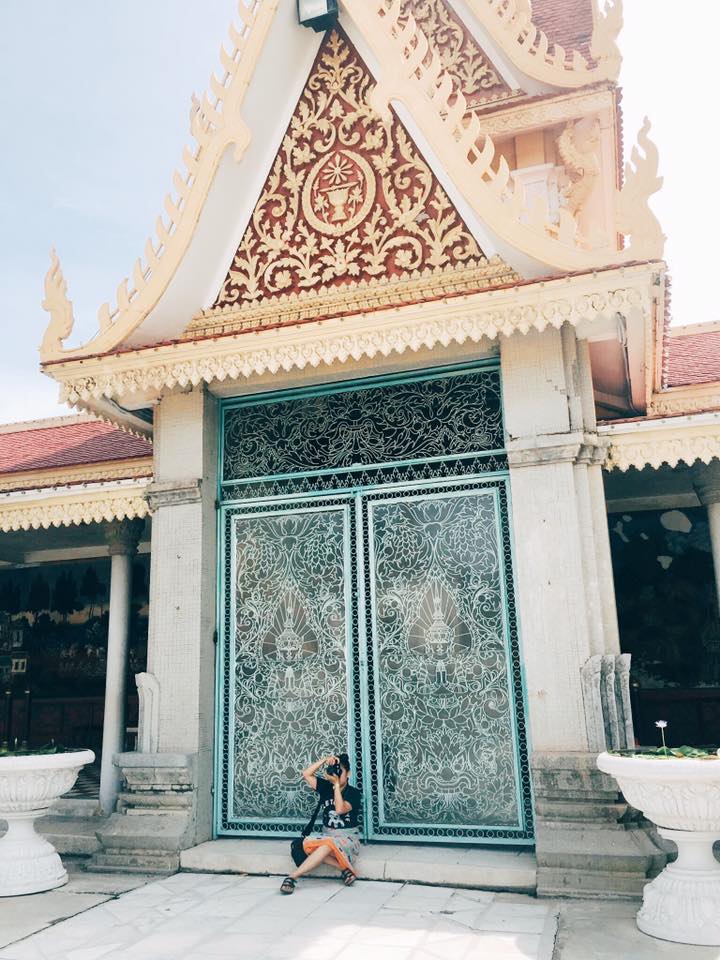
(95, 101)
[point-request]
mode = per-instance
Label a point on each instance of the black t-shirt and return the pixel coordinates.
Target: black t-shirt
(330, 817)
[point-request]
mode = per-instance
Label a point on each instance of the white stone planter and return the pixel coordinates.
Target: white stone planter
(682, 796)
(28, 787)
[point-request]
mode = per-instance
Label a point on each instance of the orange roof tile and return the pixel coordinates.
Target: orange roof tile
(567, 22)
(694, 358)
(46, 445)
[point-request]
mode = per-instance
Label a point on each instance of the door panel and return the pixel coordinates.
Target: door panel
(288, 642)
(442, 732)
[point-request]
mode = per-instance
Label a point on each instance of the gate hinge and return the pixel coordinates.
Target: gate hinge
(217, 503)
(212, 789)
(215, 637)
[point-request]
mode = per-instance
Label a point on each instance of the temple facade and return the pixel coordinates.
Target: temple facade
(386, 443)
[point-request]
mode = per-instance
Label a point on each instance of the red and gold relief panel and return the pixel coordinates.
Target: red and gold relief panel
(460, 55)
(350, 217)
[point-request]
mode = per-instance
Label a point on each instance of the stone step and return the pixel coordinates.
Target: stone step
(480, 868)
(140, 861)
(589, 884)
(74, 836)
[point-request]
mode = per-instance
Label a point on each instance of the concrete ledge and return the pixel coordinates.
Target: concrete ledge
(438, 865)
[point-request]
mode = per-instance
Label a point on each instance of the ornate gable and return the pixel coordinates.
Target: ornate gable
(350, 217)
(460, 55)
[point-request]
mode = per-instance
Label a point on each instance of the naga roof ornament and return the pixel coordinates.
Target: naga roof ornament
(510, 24)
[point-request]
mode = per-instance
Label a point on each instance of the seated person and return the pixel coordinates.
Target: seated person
(338, 842)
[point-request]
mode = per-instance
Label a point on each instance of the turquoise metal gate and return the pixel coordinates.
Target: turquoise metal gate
(368, 600)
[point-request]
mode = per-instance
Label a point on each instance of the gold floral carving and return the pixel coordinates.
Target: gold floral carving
(60, 509)
(348, 201)
(460, 55)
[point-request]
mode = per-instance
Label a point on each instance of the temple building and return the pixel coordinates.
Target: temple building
(386, 443)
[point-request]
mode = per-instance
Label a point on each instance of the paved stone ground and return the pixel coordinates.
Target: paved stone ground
(217, 916)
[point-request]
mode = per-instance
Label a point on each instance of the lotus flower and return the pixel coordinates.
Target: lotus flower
(661, 724)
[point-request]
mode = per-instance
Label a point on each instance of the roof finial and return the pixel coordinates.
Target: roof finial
(58, 306)
(634, 216)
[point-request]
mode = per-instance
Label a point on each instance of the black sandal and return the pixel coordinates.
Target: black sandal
(348, 878)
(288, 885)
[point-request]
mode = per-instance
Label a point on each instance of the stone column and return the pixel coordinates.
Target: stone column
(122, 538)
(166, 805)
(566, 614)
(706, 480)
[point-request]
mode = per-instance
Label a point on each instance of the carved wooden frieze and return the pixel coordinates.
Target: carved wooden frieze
(350, 211)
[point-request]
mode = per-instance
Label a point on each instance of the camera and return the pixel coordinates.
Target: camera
(334, 769)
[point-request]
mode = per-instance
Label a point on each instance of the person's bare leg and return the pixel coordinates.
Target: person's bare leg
(314, 859)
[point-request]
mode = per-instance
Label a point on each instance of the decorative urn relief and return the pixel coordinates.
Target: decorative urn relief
(29, 785)
(682, 796)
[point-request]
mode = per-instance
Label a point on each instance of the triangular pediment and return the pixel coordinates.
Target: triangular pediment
(350, 217)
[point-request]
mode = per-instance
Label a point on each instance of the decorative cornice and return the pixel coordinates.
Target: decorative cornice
(215, 124)
(544, 113)
(462, 319)
(656, 442)
(411, 72)
(509, 23)
(575, 447)
(42, 509)
(173, 493)
(694, 398)
(67, 476)
(353, 298)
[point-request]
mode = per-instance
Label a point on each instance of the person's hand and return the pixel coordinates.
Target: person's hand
(330, 759)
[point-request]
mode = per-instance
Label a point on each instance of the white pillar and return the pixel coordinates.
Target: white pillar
(562, 546)
(183, 588)
(706, 479)
(122, 541)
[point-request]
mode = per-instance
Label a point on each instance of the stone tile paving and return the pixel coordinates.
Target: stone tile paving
(606, 930)
(21, 916)
(216, 916)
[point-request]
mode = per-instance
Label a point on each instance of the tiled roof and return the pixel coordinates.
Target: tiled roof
(567, 22)
(694, 358)
(45, 445)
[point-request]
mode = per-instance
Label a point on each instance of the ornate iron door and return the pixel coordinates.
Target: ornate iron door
(288, 629)
(441, 738)
(367, 601)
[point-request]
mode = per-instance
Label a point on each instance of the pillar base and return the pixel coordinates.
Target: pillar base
(155, 818)
(589, 842)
